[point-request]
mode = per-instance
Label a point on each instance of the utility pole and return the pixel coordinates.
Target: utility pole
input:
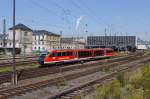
(24, 45)
(105, 36)
(60, 45)
(4, 32)
(14, 74)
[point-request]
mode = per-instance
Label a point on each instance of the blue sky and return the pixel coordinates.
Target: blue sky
(131, 17)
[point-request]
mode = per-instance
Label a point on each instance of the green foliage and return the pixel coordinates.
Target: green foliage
(147, 94)
(111, 90)
(135, 86)
(120, 77)
(81, 94)
(137, 94)
(136, 79)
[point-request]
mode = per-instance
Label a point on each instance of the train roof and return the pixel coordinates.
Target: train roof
(80, 49)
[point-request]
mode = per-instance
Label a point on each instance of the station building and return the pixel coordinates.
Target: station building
(23, 39)
(121, 42)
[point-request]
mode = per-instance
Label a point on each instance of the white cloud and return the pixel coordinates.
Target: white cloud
(78, 22)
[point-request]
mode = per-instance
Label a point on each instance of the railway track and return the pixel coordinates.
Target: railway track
(88, 87)
(18, 63)
(22, 89)
(37, 72)
(18, 57)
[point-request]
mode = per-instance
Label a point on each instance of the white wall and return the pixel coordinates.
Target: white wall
(23, 38)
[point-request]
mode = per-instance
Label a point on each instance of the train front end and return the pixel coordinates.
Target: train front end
(42, 57)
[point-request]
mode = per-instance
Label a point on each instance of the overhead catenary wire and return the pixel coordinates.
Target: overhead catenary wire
(92, 13)
(45, 8)
(67, 13)
(83, 10)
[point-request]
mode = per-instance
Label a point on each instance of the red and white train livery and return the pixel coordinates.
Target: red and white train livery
(58, 56)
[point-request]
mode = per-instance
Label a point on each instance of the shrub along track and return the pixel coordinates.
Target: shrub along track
(5, 93)
(31, 73)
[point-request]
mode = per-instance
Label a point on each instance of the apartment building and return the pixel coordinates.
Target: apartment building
(44, 40)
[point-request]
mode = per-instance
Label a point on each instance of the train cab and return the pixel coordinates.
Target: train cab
(41, 57)
(56, 56)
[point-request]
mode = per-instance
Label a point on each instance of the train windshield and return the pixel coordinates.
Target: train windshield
(43, 54)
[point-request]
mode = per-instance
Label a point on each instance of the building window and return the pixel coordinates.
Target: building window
(39, 48)
(25, 46)
(39, 37)
(43, 42)
(10, 44)
(35, 37)
(43, 37)
(25, 33)
(35, 48)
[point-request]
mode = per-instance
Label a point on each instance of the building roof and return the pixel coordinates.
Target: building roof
(67, 40)
(2, 36)
(72, 40)
(22, 27)
(39, 32)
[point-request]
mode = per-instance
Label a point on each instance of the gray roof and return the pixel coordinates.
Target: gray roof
(22, 27)
(2, 36)
(40, 32)
(67, 40)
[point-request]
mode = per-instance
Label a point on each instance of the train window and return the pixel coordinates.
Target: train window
(66, 53)
(109, 51)
(98, 53)
(84, 54)
(70, 53)
(56, 54)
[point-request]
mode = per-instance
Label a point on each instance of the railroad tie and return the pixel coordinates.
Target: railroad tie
(5, 94)
(71, 95)
(65, 97)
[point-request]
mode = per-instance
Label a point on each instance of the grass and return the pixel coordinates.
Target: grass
(44, 92)
(130, 85)
(61, 85)
(9, 69)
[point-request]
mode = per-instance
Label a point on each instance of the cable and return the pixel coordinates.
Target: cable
(66, 12)
(45, 8)
(82, 10)
(91, 11)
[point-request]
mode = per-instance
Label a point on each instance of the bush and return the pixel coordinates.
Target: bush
(138, 86)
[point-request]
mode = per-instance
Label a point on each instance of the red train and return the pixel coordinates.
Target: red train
(59, 56)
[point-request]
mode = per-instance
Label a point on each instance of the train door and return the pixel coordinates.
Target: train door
(56, 56)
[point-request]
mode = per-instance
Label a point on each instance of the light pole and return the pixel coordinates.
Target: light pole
(14, 74)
